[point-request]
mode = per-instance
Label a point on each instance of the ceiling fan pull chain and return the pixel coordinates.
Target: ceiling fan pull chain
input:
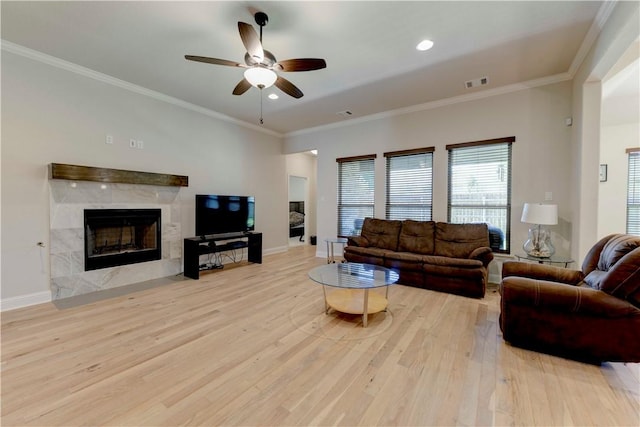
(261, 121)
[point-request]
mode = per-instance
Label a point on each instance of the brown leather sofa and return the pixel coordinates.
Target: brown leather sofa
(591, 314)
(433, 255)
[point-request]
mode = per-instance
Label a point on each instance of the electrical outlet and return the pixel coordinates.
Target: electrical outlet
(548, 196)
(132, 143)
(108, 139)
(140, 144)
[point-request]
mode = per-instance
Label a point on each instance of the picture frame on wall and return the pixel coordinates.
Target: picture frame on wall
(603, 173)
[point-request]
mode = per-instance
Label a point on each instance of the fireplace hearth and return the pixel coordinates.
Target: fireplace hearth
(71, 195)
(114, 237)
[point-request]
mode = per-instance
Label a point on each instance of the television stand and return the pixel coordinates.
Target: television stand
(201, 245)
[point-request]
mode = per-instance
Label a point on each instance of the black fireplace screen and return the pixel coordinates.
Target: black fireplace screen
(115, 237)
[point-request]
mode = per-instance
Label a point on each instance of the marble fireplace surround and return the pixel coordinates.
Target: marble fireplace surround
(76, 188)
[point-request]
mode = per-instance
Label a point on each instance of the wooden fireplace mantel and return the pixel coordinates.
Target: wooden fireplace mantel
(89, 173)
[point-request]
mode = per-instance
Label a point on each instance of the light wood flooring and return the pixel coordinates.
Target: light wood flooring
(251, 346)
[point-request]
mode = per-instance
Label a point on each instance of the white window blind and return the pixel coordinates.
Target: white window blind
(355, 193)
(410, 184)
(633, 193)
(479, 186)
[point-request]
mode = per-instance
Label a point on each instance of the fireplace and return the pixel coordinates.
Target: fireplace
(114, 237)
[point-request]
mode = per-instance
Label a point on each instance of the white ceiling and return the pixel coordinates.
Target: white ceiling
(372, 64)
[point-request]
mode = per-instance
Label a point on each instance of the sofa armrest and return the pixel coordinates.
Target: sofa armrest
(360, 241)
(483, 254)
(562, 298)
(542, 272)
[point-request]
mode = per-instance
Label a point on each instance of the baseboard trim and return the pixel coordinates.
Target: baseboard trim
(494, 278)
(22, 301)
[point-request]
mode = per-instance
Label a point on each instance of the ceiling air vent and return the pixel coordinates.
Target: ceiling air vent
(476, 82)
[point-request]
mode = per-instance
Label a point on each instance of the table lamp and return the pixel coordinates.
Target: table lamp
(539, 242)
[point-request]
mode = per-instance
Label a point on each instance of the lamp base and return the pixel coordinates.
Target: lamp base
(539, 243)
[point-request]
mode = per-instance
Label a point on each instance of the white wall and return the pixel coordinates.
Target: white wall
(53, 115)
(540, 154)
(612, 195)
(621, 29)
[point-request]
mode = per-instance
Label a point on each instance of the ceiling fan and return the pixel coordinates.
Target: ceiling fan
(261, 65)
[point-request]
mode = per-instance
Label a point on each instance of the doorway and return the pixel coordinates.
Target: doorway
(619, 130)
(298, 207)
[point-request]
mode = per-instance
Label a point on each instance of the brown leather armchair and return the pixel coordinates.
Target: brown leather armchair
(591, 314)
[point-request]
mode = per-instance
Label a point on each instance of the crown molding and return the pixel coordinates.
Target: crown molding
(439, 103)
(105, 78)
(592, 34)
(594, 31)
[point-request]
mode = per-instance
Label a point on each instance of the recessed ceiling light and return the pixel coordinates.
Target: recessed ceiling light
(273, 96)
(425, 45)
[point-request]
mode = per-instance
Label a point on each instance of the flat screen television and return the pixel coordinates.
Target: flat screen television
(216, 214)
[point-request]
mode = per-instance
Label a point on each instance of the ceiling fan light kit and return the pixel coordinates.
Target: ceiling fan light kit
(259, 77)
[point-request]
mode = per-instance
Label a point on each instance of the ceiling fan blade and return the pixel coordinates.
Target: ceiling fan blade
(241, 87)
(289, 88)
(214, 61)
(251, 41)
(301, 64)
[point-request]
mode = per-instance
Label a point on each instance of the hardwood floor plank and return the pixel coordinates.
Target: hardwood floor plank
(251, 345)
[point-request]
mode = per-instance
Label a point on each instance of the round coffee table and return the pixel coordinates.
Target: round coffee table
(349, 284)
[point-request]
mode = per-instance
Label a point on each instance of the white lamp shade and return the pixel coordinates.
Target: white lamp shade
(260, 77)
(537, 213)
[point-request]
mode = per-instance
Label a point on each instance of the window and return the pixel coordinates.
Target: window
(355, 193)
(479, 188)
(410, 184)
(633, 192)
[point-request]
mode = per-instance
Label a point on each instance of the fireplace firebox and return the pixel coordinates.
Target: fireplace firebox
(115, 237)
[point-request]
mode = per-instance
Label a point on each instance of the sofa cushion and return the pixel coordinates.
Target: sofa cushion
(477, 275)
(459, 240)
(381, 233)
(357, 241)
(615, 249)
(373, 256)
(372, 252)
(622, 279)
(451, 262)
(417, 237)
(403, 261)
(404, 256)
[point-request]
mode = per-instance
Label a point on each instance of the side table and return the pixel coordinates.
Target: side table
(331, 258)
(548, 260)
